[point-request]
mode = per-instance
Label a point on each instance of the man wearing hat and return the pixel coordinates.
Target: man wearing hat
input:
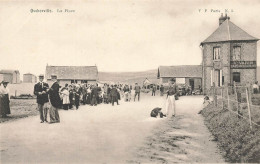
(170, 102)
(55, 100)
(40, 90)
(4, 98)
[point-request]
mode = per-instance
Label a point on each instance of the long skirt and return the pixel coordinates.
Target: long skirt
(4, 105)
(170, 106)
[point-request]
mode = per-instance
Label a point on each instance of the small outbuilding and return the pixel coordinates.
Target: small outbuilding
(29, 78)
(11, 76)
(190, 75)
(72, 74)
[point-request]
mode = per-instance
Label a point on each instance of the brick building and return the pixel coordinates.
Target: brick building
(29, 78)
(73, 74)
(229, 54)
(11, 76)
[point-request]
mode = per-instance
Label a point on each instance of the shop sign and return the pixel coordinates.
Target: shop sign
(243, 64)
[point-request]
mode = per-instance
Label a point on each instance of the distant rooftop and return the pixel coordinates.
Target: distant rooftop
(72, 72)
(8, 71)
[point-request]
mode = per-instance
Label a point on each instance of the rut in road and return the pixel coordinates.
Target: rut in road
(183, 138)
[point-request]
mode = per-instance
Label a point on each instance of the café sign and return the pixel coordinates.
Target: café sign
(243, 64)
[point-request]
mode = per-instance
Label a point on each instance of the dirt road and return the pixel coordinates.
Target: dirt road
(106, 134)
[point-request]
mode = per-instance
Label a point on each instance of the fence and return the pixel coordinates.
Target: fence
(238, 100)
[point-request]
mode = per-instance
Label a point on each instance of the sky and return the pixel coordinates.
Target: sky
(117, 36)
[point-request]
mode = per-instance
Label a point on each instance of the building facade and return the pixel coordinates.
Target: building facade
(11, 76)
(190, 75)
(29, 78)
(72, 74)
(229, 54)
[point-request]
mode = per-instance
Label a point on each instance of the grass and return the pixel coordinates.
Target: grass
(20, 109)
(234, 137)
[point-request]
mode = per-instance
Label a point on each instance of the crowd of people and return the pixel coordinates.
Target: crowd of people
(71, 96)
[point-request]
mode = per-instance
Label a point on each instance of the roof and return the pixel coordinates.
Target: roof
(72, 72)
(180, 71)
(7, 71)
(228, 31)
(29, 74)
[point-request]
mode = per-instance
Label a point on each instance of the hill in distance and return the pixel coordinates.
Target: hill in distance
(128, 77)
(139, 77)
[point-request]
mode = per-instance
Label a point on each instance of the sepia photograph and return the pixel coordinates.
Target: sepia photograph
(129, 81)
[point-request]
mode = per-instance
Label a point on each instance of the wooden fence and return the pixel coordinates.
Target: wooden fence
(238, 100)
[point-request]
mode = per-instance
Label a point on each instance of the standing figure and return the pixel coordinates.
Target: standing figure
(40, 90)
(84, 94)
(114, 95)
(77, 96)
(65, 97)
(127, 92)
(71, 97)
(153, 90)
(94, 95)
(255, 88)
(137, 91)
(161, 90)
(170, 102)
(55, 100)
(5, 101)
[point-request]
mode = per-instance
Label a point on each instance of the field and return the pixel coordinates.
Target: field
(21, 109)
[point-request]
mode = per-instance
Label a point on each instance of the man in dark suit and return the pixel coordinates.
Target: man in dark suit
(40, 90)
(94, 95)
(114, 95)
(55, 100)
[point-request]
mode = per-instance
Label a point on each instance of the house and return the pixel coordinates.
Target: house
(72, 74)
(229, 54)
(11, 76)
(29, 78)
(148, 83)
(183, 74)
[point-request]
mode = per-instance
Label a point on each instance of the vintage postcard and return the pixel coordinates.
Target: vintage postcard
(129, 81)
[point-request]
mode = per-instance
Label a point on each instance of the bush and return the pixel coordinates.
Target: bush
(234, 137)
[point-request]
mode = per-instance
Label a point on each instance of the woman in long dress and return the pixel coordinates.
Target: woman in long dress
(65, 98)
(4, 98)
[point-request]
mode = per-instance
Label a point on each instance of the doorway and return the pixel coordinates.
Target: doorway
(191, 81)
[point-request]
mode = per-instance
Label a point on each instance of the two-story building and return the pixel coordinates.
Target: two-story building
(229, 54)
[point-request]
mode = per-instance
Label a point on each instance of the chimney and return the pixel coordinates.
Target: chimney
(223, 18)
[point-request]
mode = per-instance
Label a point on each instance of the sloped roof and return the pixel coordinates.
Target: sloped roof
(72, 72)
(7, 71)
(180, 71)
(228, 31)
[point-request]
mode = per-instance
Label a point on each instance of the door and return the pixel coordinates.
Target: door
(192, 83)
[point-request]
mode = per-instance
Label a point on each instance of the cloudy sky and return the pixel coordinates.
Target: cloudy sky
(114, 35)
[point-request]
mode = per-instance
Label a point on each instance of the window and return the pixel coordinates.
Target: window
(236, 53)
(216, 53)
(236, 77)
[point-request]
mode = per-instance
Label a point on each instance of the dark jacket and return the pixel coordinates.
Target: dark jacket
(155, 112)
(114, 92)
(54, 95)
(94, 92)
(41, 98)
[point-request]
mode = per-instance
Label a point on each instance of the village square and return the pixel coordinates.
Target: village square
(204, 110)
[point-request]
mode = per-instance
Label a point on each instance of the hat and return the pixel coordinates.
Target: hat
(41, 75)
(4, 82)
(53, 76)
